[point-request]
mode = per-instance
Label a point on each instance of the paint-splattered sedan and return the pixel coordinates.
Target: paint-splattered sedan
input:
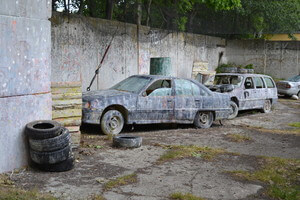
(148, 99)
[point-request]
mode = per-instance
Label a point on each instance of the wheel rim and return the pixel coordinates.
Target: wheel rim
(232, 110)
(203, 119)
(114, 123)
(267, 106)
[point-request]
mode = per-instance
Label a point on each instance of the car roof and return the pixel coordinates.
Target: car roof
(239, 74)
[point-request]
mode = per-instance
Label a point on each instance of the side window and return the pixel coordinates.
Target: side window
(269, 82)
(249, 83)
(183, 87)
(160, 88)
(259, 82)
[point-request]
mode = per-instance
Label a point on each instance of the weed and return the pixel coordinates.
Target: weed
(187, 196)
(238, 138)
(295, 124)
(123, 180)
(109, 137)
(19, 194)
(179, 151)
(281, 175)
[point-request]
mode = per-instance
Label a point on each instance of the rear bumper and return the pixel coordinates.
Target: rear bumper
(222, 114)
(289, 92)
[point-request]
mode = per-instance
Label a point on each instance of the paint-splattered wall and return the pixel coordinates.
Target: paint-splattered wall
(278, 59)
(24, 74)
(78, 44)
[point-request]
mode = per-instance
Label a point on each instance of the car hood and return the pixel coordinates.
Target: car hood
(88, 96)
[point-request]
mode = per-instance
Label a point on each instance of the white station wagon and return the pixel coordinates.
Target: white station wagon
(247, 91)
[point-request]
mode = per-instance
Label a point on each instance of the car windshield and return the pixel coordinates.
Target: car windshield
(228, 79)
(294, 78)
(132, 84)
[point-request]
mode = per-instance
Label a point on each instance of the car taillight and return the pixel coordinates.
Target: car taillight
(287, 85)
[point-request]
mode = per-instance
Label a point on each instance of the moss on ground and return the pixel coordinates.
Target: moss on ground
(282, 177)
(238, 138)
(186, 196)
(175, 152)
(295, 124)
(123, 180)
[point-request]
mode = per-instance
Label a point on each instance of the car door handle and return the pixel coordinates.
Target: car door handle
(246, 94)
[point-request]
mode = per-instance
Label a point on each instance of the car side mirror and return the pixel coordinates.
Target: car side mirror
(144, 94)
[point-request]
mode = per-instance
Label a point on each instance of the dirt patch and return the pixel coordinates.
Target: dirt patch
(98, 163)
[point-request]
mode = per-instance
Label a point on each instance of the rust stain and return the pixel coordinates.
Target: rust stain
(14, 25)
(25, 94)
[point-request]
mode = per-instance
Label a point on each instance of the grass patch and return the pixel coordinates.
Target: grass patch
(109, 137)
(187, 196)
(238, 138)
(281, 176)
(123, 180)
(8, 191)
(295, 124)
(179, 152)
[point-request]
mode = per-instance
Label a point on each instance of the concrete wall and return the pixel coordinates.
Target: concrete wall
(25, 43)
(78, 44)
(278, 59)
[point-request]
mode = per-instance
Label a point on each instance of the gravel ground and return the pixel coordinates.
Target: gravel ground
(97, 161)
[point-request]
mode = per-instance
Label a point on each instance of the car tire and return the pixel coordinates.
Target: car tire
(43, 129)
(267, 107)
(127, 141)
(298, 95)
(235, 110)
(50, 157)
(51, 144)
(203, 119)
(63, 166)
(112, 122)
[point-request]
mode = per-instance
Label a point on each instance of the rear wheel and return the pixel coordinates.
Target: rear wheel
(203, 119)
(267, 106)
(112, 122)
(234, 110)
(298, 95)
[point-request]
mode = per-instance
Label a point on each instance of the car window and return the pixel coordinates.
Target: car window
(269, 82)
(188, 88)
(259, 82)
(294, 78)
(157, 87)
(132, 84)
(228, 79)
(249, 83)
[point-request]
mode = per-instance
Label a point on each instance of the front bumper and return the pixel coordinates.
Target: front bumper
(90, 116)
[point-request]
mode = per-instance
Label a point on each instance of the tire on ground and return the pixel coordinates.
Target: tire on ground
(127, 141)
(43, 129)
(51, 144)
(267, 107)
(51, 157)
(62, 166)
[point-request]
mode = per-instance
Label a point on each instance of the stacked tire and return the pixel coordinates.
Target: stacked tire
(49, 146)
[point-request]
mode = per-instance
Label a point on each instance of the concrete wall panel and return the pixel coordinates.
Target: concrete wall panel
(15, 112)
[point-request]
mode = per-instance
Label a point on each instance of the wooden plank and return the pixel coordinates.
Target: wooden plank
(65, 84)
(75, 95)
(66, 90)
(66, 113)
(73, 128)
(71, 121)
(67, 102)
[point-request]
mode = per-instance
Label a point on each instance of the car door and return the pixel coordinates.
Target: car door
(156, 103)
(271, 90)
(249, 94)
(186, 104)
(260, 92)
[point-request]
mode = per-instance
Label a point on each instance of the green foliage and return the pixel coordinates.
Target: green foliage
(281, 175)
(187, 196)
(295, 124)
(123, 180)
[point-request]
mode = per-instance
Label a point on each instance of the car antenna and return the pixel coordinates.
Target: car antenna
(100, 64)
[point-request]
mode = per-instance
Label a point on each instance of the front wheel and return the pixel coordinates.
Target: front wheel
(204, 119)
(267, 106)
(112, 122)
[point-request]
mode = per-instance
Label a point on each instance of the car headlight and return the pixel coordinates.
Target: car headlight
(86, 104)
